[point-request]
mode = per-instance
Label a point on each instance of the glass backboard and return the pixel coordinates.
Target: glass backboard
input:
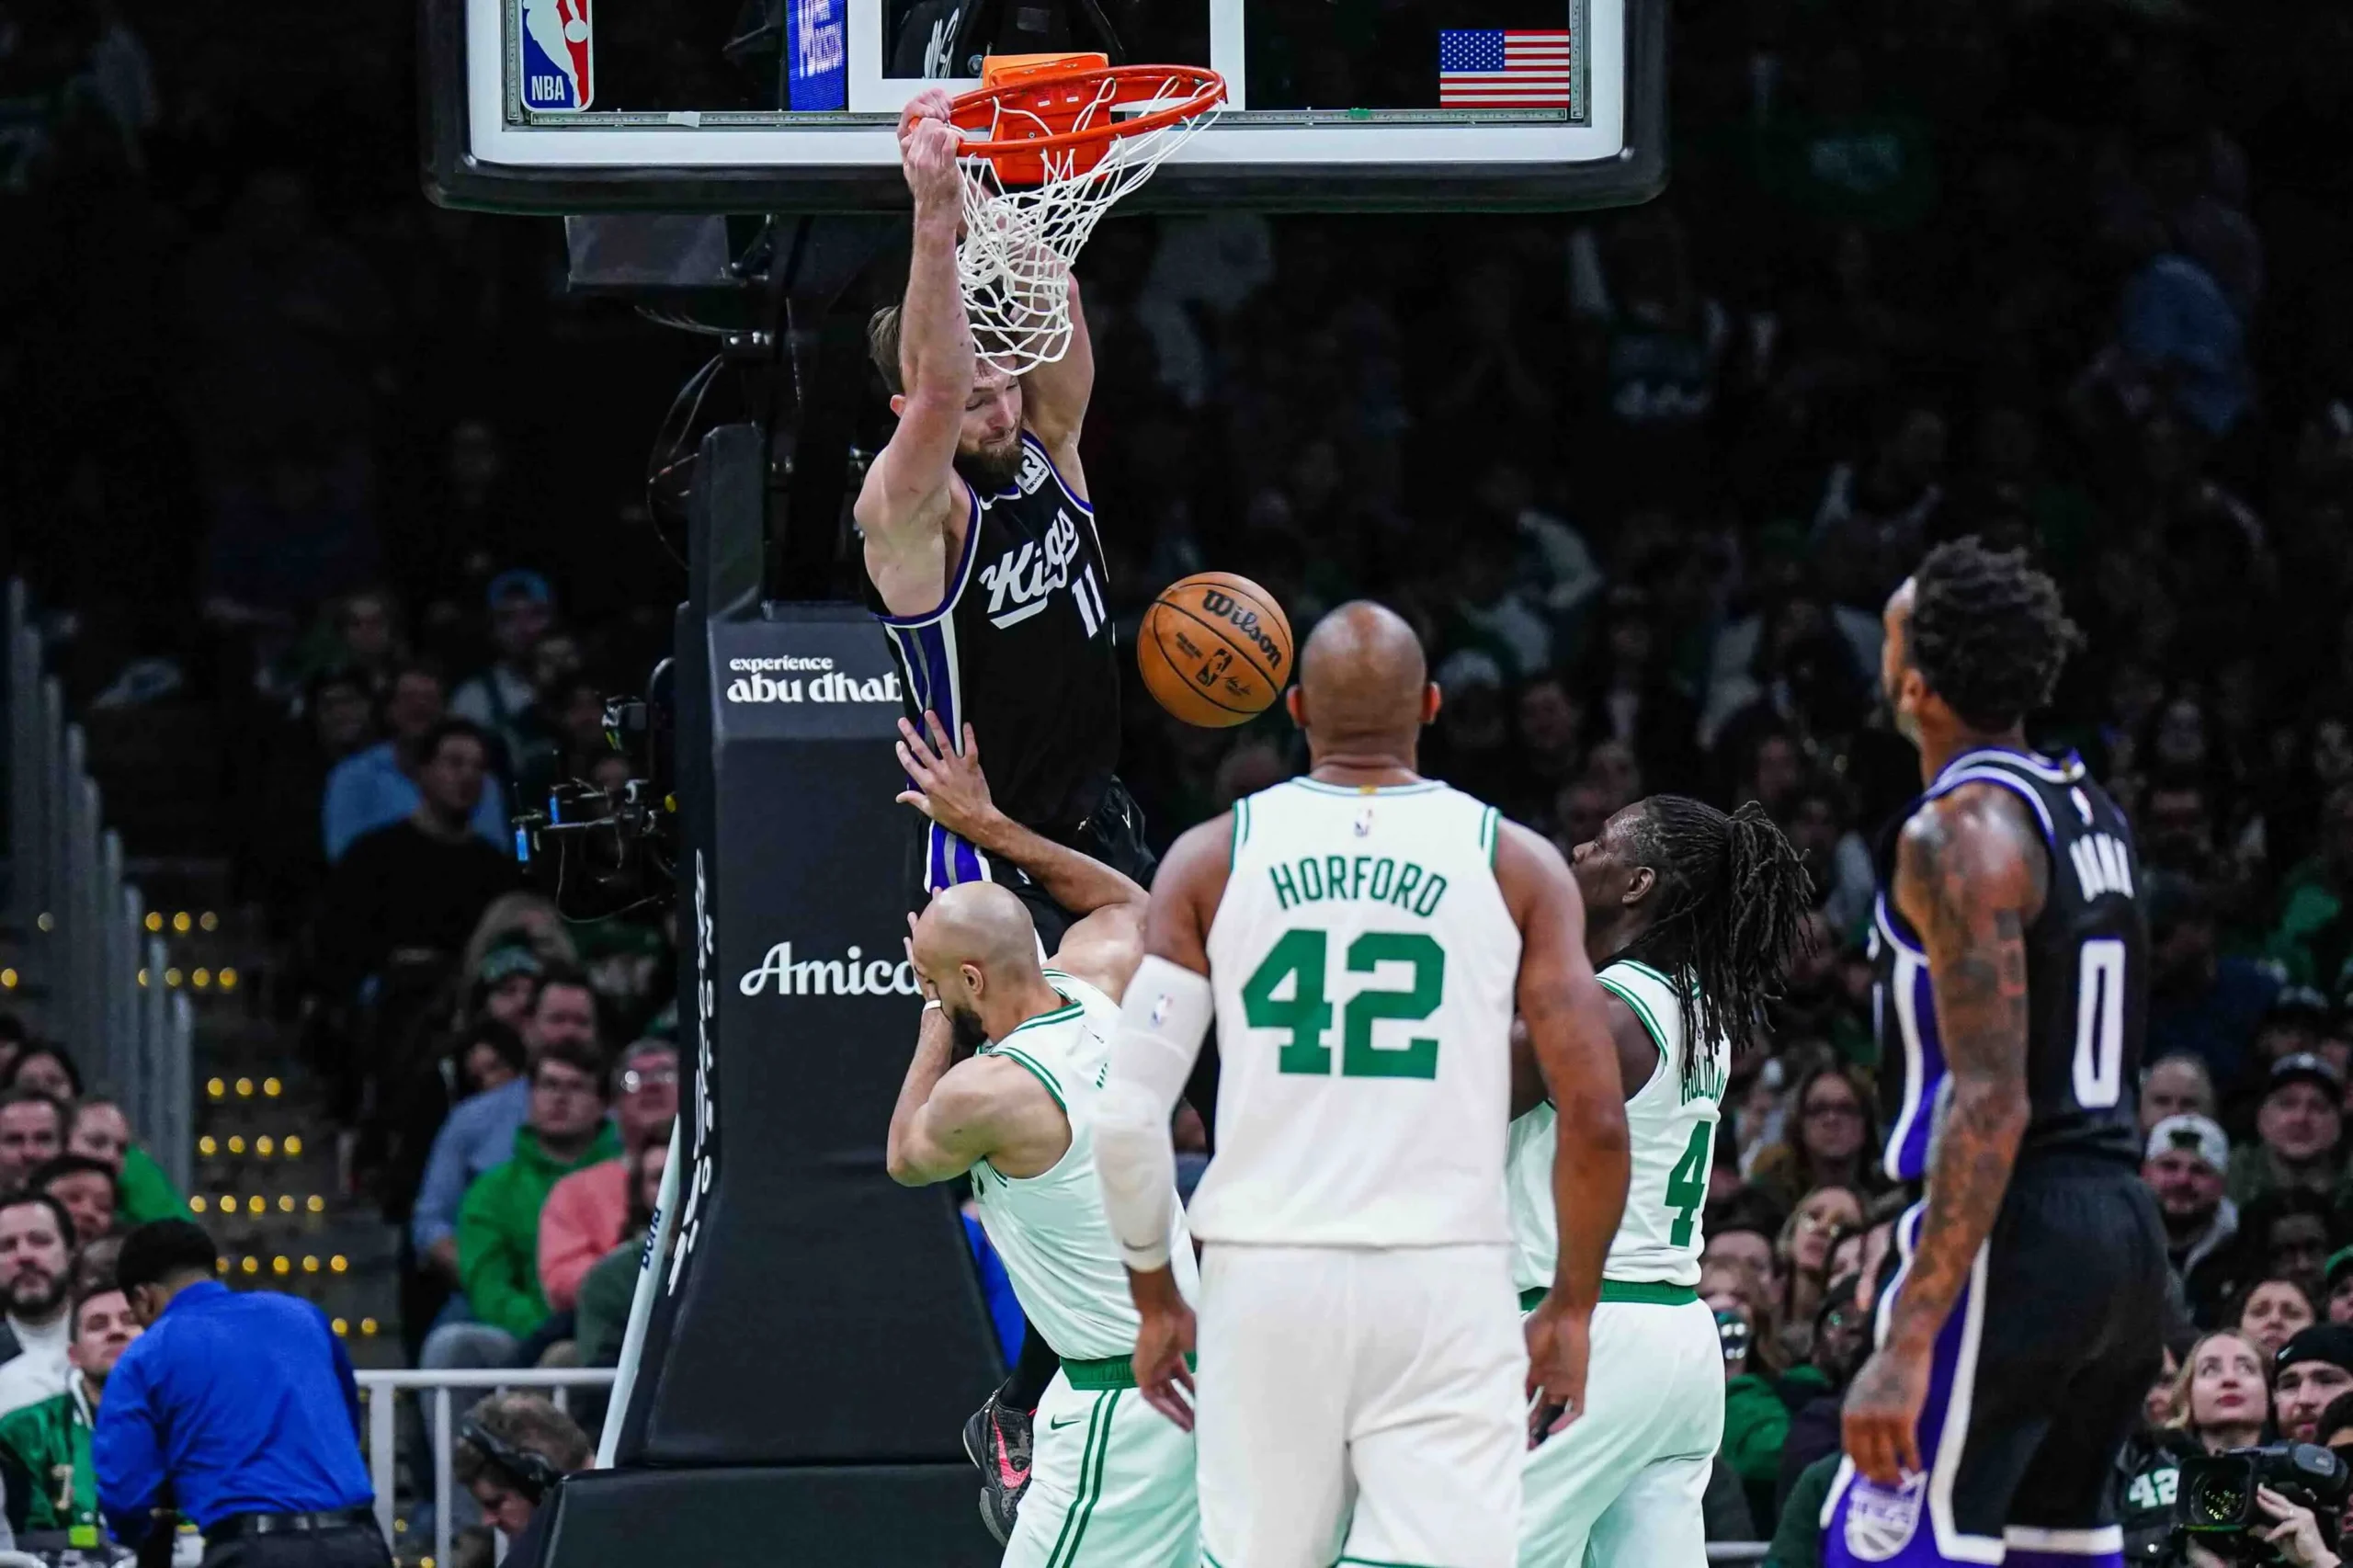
(786, 105)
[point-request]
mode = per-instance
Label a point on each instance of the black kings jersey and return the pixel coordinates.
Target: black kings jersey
(2086, 974)
(1021, 648)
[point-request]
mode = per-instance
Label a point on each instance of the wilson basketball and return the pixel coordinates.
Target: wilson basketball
(1215, 648)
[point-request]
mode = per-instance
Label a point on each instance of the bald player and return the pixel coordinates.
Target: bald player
(1360, 936)
(1007, 1073)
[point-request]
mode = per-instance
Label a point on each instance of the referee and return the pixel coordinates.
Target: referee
(238, 1410)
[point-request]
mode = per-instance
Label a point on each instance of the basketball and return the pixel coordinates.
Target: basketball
(1215, 648)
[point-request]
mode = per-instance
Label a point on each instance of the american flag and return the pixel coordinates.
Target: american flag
(1492, 68)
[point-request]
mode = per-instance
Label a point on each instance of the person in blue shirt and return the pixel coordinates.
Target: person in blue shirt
(377, 787)
(238, 1410)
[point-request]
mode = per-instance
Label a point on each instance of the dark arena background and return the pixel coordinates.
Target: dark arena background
(298, 462)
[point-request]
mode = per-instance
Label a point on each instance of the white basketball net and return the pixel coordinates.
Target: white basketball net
(1015, 257)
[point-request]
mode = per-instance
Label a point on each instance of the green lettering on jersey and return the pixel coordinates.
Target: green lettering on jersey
(1286, 890)
(1686, 1185)
(1409, 877)
(1301, 955)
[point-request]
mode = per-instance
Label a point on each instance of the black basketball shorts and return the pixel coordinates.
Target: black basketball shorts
(2038, 1377)
(1112, 833)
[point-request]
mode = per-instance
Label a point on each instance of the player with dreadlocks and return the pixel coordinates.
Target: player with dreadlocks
(2023, 1327)
(1691, 919)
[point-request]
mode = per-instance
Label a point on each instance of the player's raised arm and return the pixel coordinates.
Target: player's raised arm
(1054, 397)
(947, 786)
(1564, 1009)
(1165, 1017)
(948, 1117)
(908, 487)
(1970, 876)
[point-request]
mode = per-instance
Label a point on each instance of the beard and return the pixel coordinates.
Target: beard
(966, 1032)
(990, 471)
(34, 1293)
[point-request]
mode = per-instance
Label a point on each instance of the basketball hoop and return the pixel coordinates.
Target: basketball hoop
(1053, 141)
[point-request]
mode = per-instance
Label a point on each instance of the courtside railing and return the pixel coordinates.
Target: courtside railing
(84, 949)
(435, 1393)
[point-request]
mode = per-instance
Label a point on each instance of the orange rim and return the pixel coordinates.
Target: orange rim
(1040, 95)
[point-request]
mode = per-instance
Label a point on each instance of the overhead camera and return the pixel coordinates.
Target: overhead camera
(600, 851)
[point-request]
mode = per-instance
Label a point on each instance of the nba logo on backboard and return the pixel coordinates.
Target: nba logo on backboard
(559, 55)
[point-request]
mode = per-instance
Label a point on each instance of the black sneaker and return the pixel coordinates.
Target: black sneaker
(996, 1440)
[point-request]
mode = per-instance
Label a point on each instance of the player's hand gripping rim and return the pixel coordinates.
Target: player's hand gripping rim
(949, 785)
(1559, 1344)
(929, 149)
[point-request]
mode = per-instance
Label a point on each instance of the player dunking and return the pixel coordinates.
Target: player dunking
(982, 559)
(1692, 918)
(984, 566)
(1360, 935)
(2025, 1323)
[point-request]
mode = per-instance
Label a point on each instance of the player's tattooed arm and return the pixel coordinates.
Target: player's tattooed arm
(1054, 398)
(1970, 876)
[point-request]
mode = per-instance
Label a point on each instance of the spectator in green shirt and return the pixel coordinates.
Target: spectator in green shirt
(45, 1447)
(498, 1222)
(143, 1192)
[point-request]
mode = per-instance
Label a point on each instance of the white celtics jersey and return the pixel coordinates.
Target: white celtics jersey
(1364, 968)
(1671, 1133)
(1048, 1229)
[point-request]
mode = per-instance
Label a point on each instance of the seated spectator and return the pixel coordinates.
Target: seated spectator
(2174, 1085)
(380, 787)
(2337, 1306)
(2296, 1130)
(2313, 939)
(2218, 1398)
(1757, 1421)
(2308, 1372)
(1826, 1142)
(421, 882)
(498, 1223)
(1804, 1254)
(480, 1132)
(510, 1451)
(601, 1313)
(2287, 1234)
(506, 982)
(33, 1133)
(1744, 1240)
(522, 609)
(2184, 1166)
(2271, 1312)
(45, 1446)
(588, 1212)
(1835, 856)
(143, 1192)
(35, 1269)
(2201, 1004)
(46, 1069)
(87, 1191)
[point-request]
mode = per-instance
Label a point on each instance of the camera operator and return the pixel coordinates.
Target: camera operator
(2219, 1400)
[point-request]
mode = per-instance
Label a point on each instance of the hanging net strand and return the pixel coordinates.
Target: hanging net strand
(1058, 146)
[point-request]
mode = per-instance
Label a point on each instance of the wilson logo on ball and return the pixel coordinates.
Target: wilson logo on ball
(1214, 649)
(1245, 620)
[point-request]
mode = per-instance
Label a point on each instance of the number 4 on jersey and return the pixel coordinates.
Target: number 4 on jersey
(1299, 957)
(1686, 1185)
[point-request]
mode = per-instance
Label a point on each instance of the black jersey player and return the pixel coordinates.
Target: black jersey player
(984, 566)
(982, 559)
(2023, 1325)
